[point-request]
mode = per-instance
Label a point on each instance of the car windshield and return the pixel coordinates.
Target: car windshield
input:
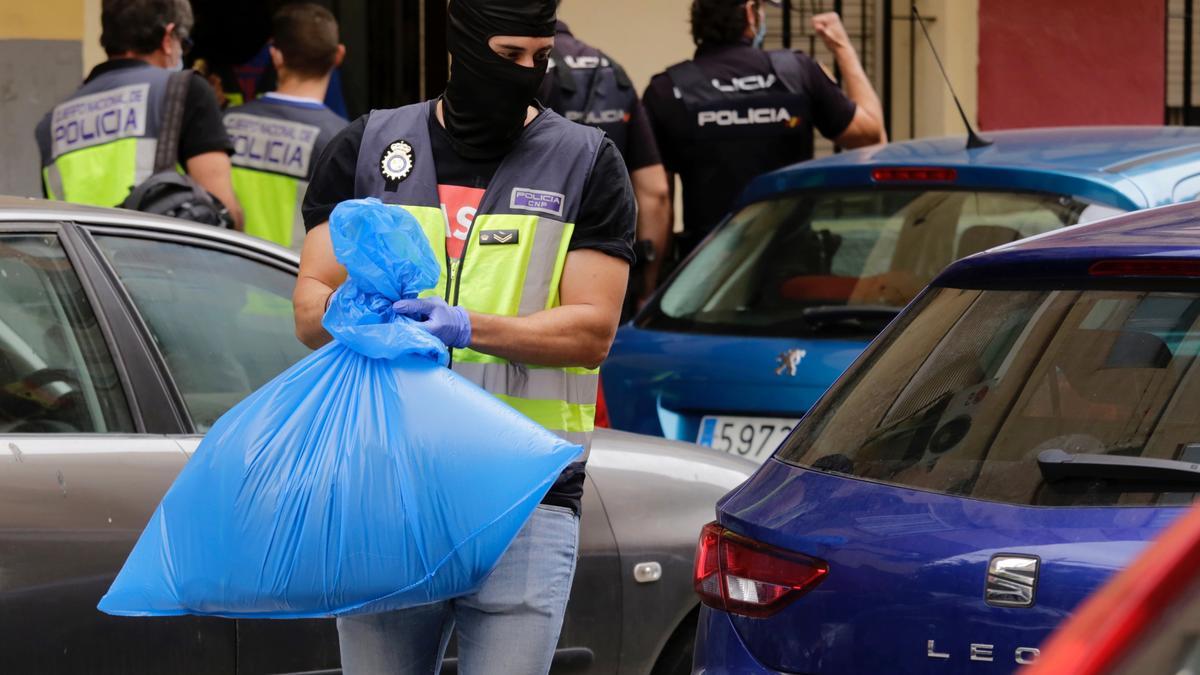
(971, 388)
(778, 266)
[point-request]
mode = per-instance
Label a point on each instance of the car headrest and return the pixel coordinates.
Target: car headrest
(982, 237)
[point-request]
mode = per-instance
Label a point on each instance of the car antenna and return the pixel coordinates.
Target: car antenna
(974, 140)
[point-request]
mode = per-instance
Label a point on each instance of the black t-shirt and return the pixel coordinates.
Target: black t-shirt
(606, 221)
(715, 164)
(639, 147)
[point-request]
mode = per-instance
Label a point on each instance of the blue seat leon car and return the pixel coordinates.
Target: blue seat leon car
(1014, 437)
(819, 257)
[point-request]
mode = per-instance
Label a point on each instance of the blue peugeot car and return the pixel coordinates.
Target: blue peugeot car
(1016, 435)
(819, 257)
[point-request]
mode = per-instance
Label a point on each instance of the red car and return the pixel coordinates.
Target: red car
(1145, 620)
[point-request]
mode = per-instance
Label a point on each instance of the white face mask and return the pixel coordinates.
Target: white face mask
(177, 65)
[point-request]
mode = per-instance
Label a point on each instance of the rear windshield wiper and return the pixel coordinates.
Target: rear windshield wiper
(1059, 465)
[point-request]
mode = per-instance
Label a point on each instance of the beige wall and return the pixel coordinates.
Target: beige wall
(954, 28)
(92, 52)
(645, 36)
(42, 20)
(41, 58)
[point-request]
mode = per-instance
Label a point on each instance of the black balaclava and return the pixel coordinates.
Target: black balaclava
(487, 98)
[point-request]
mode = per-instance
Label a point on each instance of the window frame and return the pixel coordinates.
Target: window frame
(109, 319)
(184, 425)
(995, 283)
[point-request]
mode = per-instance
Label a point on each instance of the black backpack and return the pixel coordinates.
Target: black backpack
(167, 192)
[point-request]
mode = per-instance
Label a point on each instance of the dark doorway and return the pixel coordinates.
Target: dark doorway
(395, 49)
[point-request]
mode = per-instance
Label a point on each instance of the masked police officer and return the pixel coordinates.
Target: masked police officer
(101, 142)
(584, 85)
(533, 217)
(278, 138)
(735, 111)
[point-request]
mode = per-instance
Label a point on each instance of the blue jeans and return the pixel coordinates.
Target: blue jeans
(510, 626)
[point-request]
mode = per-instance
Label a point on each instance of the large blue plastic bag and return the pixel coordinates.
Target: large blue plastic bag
(366, 478)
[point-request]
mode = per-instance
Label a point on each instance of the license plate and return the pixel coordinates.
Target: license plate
(754, 438)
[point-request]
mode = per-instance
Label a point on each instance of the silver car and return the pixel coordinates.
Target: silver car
(123, 337)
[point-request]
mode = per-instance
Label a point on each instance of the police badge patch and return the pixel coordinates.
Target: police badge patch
(397, 161)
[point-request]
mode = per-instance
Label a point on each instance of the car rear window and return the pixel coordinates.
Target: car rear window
(971, 386)
(778, 266)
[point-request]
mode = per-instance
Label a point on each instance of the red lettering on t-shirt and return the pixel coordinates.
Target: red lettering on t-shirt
(459, 205)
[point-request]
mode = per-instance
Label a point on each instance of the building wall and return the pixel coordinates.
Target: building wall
(645, 36)
(41, 59)
(1070, 62)
(922, 105)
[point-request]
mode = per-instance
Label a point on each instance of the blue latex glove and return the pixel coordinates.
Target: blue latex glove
(449, 324)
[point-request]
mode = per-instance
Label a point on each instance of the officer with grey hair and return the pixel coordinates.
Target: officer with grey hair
(101, 142)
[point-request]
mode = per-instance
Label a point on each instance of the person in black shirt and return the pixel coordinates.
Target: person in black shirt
(532, 218)
(585, 85)
(735, 111)
(88, 158)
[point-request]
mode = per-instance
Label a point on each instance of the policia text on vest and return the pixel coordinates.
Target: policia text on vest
(99, 143)
(276, 142)
(103, 140)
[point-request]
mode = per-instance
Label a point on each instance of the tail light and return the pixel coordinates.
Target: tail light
(1145, 267)
(742, 576)
(601, 407)
(914, 174)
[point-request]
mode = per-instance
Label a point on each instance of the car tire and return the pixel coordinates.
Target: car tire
(676, 656)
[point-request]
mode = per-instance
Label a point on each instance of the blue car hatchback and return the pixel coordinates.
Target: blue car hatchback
(819, 257)
(1019, 433)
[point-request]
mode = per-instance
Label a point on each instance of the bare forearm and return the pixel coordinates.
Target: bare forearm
(567, 336)
(212, 171)
(309, 301)
(654, 221)
(234, 207)
(858, 85)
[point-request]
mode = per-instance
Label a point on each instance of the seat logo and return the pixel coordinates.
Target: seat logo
(1011, 580)
(789, 361)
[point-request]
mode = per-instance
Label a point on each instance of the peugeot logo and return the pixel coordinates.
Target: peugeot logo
(1011, 580)
(789, 360)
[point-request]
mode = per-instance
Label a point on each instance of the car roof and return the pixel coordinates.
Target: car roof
(27, 210)
(1165, 233)
(1125, 166)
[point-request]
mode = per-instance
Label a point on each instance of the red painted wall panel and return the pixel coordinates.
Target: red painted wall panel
(1070, 62)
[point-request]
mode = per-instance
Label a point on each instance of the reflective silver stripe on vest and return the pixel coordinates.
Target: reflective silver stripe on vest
(144, 167)
(54, 182)
(578, 438)
(543, 384)
(543, 260)
(298, 230)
